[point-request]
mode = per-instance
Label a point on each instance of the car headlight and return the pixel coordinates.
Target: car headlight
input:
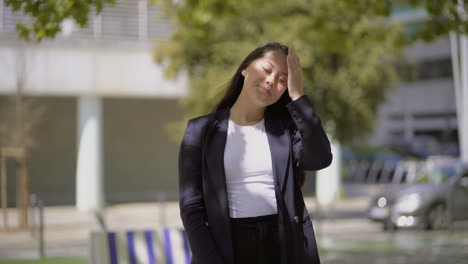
(382, 202)
(409, 203)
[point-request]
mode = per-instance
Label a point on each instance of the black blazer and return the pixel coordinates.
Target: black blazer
(296, 141)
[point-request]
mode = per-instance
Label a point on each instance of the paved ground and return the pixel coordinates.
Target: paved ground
(344, 234)
(67, 230)
(351, 242)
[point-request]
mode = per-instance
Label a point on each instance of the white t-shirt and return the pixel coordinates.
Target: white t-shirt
(249, 171)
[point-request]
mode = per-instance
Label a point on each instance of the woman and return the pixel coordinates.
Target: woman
(240, 186)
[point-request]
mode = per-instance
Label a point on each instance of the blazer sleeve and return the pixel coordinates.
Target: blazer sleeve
(192, 206)
(311, 146)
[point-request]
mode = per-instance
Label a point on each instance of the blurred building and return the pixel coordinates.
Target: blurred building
(106, 70)
(422, 110)
(421, 114)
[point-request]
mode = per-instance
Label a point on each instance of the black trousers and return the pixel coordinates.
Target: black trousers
(255, 240)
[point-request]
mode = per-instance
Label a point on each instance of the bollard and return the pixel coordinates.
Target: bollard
(32, 222)
(99, 214)
(162, 208)
(41, 229)
(318, 221)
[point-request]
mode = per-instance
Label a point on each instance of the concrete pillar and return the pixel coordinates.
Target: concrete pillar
(2, 8)
(459, 48)
(464, 86)
(89, 169)
(328, 181)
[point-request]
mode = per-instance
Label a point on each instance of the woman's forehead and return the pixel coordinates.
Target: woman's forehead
(277, 59)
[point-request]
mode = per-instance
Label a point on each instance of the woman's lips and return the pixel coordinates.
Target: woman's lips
(265, 90)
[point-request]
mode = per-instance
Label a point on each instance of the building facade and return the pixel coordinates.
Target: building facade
(106, 106)
(105, 102)
(422, 111)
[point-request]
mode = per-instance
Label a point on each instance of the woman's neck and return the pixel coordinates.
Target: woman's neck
(246, 114)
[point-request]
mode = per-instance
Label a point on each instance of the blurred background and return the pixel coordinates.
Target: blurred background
(95, 96)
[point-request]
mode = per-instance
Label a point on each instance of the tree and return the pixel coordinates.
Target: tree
(49, 14)
(20, 115)
(343, 58)
(348, 48)
(444, 16)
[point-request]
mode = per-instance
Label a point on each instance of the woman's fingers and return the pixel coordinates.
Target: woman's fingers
(295, 86)
(294, 65)
(293, 60)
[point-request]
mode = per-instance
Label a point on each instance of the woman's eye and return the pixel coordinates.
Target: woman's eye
(267, 70)
(283, 80)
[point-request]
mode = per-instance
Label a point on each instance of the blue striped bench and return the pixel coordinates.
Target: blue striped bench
(161, 246)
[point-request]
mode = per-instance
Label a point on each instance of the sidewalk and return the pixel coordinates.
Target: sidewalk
(67, 230)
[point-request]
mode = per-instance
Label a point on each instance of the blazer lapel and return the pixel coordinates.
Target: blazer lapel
(216, 142)
(278, 139)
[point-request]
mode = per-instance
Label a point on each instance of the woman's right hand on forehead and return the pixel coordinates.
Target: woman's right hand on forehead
(295, 81)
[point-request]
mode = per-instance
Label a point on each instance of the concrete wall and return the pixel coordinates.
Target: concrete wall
(139, 160)
(93, 68)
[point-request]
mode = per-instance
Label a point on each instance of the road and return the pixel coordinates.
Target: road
(362, 241)
(344, 235)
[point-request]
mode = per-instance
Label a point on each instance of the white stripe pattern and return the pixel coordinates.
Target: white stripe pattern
(100, 252)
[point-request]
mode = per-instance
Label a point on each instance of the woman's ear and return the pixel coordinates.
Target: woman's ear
(243, 72)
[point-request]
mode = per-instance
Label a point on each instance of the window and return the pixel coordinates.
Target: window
(435, 68)
(126, 19)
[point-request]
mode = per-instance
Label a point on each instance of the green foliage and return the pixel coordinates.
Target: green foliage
(444, 16)
(348, 50)
(345, 49)
(49, 14)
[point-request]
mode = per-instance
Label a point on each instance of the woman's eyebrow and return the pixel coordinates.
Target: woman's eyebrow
(275, 67)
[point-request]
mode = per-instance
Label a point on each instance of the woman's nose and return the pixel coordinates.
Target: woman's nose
(270, 80)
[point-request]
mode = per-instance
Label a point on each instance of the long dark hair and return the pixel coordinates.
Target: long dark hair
(234, 87)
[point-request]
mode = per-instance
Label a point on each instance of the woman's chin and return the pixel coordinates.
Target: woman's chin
(262, 102)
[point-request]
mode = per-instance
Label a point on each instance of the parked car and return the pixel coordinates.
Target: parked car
(436, 197)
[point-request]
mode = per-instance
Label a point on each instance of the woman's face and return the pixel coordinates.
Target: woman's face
(266, 78)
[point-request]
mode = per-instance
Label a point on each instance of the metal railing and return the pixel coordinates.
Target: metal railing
(36, 222)
(382, 172)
